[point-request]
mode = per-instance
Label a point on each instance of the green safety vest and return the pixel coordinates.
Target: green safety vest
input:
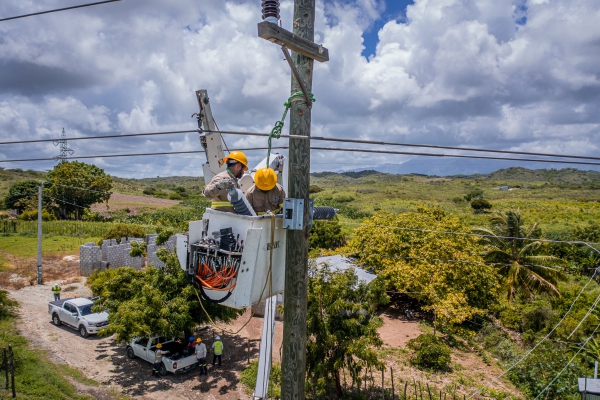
(56, 289)
(218, 347)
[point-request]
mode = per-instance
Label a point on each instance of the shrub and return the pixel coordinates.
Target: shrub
(248, 378)
(430, 352)
(474, 194)
(315, 189)
(175, 196)
(480, 205)
(7, 305)
(33, 216)
(123, 231)
(149, 191)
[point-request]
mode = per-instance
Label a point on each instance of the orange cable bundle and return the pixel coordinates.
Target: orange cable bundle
(221, 281)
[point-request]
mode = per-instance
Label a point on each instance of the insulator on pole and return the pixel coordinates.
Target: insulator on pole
(323, 212)
(270, 10)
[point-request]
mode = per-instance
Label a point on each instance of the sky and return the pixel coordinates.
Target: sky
(504, 74)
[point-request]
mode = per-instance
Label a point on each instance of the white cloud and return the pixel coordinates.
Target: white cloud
(458, 72)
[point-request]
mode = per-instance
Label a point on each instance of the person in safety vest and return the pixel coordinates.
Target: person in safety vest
(217, 350)
(201, 356)
(158, 356)
(217, 189)
(266, 194)
(56, 291)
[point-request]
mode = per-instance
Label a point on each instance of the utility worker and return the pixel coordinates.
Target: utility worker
(217, 350)
(266, 194)
(56, 291)
(201, 356)
(191, 347)
(216, 190)
(158, 355)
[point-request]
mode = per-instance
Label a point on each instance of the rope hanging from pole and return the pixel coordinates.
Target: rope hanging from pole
(276, 131)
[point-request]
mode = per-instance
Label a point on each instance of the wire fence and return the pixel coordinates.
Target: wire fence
(65, 228)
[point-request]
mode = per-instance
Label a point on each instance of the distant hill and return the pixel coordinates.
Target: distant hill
(444, 166)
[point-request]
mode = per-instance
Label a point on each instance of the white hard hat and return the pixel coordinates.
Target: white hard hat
(218, 338)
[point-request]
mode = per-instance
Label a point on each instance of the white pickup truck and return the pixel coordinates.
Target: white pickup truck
(77, 314)
(179, 359)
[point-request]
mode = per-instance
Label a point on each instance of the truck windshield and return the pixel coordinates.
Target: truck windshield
(85, 310)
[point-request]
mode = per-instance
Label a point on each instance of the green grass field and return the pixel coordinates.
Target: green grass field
(26, 246)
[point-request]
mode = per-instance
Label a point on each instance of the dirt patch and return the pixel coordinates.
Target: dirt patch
(23, 271)
(134, 203)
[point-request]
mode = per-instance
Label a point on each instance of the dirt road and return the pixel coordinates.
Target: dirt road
(104, 360)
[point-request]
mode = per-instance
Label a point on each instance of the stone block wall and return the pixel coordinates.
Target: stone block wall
(113, 254)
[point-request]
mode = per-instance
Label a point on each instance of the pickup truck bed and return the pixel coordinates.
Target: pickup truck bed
(177, 361)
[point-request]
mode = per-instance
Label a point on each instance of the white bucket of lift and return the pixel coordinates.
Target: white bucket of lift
(252, 272)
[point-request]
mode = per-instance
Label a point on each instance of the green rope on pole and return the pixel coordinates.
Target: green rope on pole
(276, 131)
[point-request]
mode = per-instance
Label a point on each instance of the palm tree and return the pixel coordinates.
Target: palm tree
(517, 257)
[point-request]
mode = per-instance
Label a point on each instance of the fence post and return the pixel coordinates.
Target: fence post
(393, 389)
(405, 387)
(5, 365)
(429, 391)
(416, 393)
(12, 371)
(382, 385)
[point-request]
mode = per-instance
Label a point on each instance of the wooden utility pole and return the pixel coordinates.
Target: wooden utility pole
(293, 365)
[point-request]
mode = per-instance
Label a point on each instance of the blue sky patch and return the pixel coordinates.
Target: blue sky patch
(394, 10)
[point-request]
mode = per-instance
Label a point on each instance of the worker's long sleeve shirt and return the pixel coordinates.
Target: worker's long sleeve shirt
(200, 351)
(220, 195)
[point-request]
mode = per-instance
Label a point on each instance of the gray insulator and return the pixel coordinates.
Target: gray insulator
(239, 202)
(322, 212)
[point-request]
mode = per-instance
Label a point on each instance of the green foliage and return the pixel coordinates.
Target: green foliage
(474, 194)
(152, 301)
(326, 235)
(36, 377)
(430, 352)
(542, 365)
(123, 231)
(33, 216)
(7, 305)
(177, 217)
(480, 205)
(521, 262)
(341, 327)
(314, 189)
(175, 196)
(496, 341)
(68, 177)
(444, 272)
(19, 191)
(138, 249)
(248, 378)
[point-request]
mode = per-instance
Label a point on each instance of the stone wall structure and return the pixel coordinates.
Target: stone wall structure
(113, 254)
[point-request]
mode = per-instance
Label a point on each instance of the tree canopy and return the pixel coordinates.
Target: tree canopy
(416, 255)
(341, 327)
(520, 261)
(152, 301)
(76, 185)
(19, 192)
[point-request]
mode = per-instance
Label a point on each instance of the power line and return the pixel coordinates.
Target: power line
(327, 149)
(99, 137)
(569, 362)
(343, 140)
(463, 233)
(58, 9)
(538, 344)
(76, 187)
(66, 202)
(133, 154)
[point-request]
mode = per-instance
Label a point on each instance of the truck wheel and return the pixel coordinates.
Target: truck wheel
(56, 320)
(162, 370)
(83, 332)
(130, 353)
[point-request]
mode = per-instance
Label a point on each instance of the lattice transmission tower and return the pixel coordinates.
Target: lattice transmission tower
(64, 149)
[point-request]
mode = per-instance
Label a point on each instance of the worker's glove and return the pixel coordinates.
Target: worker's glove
(224, 185)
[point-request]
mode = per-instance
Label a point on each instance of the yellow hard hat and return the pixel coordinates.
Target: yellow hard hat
(158, 346)
(239, 157)
(265, 179)
(198, 340)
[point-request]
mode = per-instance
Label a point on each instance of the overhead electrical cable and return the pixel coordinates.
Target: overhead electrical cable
(474, 393)
(58, 9)
(130, 155)
(329, 139)
(326, 149)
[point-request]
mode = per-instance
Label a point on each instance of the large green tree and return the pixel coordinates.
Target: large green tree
(430, 256)
(19, 193)
(152, 301)
(519, 257)
(76, 185)
(341, 327)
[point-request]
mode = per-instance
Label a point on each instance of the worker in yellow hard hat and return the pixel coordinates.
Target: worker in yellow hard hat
(216, 190)
(266, 194)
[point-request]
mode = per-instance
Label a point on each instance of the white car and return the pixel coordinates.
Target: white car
(77, 314)
(178, 359)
